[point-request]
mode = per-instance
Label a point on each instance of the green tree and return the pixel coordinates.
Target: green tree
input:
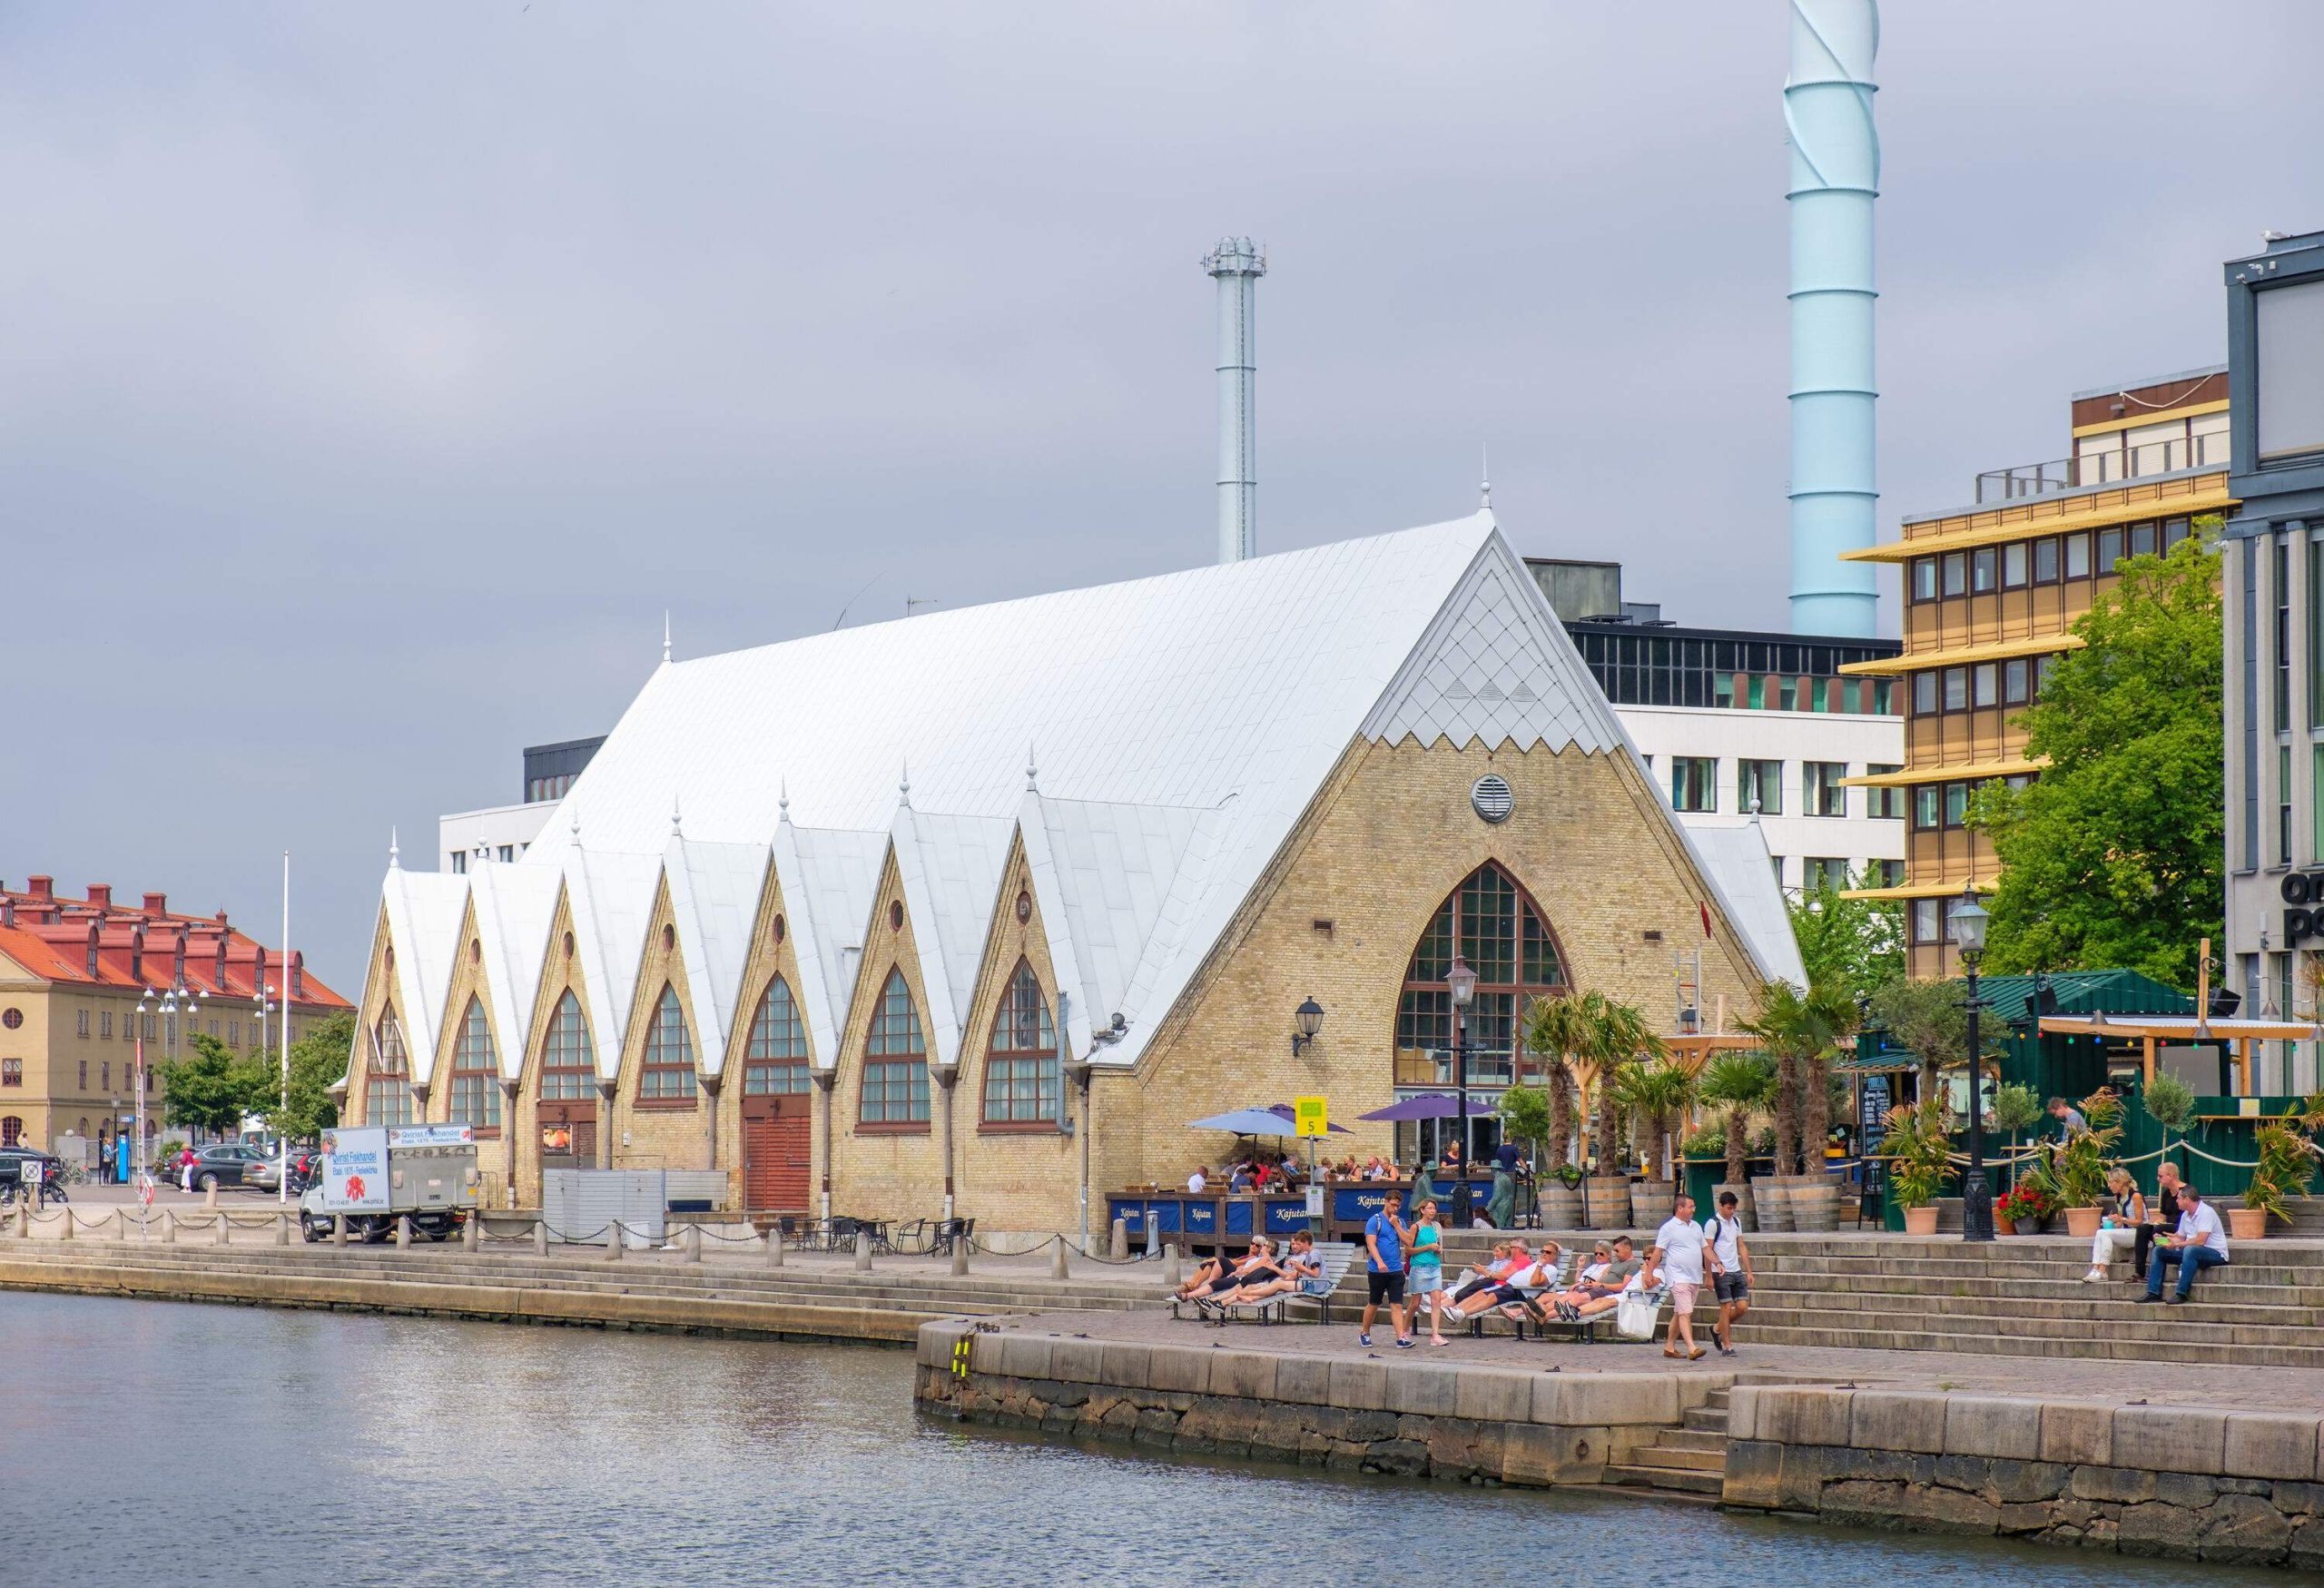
(316, 1060)
(1742, 1084)
(1928, 1020)
(1559, 1031)
(213, 1087)
(1803, 1029)
(2112, 857)
(1854, 944)
(1615, 1034)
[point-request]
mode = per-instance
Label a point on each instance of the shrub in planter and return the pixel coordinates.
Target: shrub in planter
(1918, 1148)
(2284, 1168)
(2027, 1203)
(2079, 1166)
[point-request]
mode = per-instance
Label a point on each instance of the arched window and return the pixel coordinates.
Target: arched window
(12, 1130)
(569, 1064)
(476, 1071)
(1021, 1079)
(1504, 939)
(668, 1075)
(776, 1059)
(386, 1090)
(895, 1060)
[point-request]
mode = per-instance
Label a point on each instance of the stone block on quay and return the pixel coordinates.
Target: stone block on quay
(1948, 1510)
(1427, 1389)
(2242, 1530)
(1805, 1473)
(1247, 1373)
(1863, 1502)
(1181, 1368)
(2306, 1553)
(2077, 1435)
(1360, 1387)
(1754, 1474)
(1025, 1356)
(1077, 1362)
(1125, 1366)
(2154, 1528)
(1538, 1455)
(1602, 1399)
(2112, 1486)
(1303, 1380)
(1743, 1411)
(985, 1352)
(2007, 1430)
(1279, 1430)
(2170, 1438)
(1494, 1395)
(1804, 1416)
(2268, 1445)
(1893, 1420)
(932, 1346)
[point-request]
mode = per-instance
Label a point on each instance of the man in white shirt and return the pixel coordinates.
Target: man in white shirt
(2200, 1244)
(1678, 1255)
(1731, 1270)
(1198, 1181)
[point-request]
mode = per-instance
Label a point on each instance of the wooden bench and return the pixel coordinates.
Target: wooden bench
(1336, 1256)
(1520, 1313)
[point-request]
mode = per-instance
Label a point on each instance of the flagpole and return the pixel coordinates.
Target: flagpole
(282, 1131)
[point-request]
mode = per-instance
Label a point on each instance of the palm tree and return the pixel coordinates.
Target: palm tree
(1803, 1030)
(1742, 1084)
(1656, 1096)
(1832, 1020)
(1617, 1033)
(1559, 1031)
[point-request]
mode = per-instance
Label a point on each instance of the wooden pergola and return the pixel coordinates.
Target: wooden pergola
(1690, 1051)
(2150, 1031)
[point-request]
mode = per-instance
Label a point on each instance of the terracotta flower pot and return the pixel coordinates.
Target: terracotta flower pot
(2247, 1223)
(2004, 1226)
(2081, 1223)
(1921, 1220)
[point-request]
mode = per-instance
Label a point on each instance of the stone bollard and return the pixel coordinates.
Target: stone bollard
(863, 1251)
(282, 1230)
(121, 1225)
(23, 1221)
(540, 1237)
(210, 1196)
(613, 1241)
(960, 1254)
(1118, 1249)
(217, 1222)
(691, 1248)
(338, 1230)
(1057, 1269)
(169, 1227)
(775, 1246)
(64, 1225)
(472, 1233)
(403, 1232)
(1173, 1269)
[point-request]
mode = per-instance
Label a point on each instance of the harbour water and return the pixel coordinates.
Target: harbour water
(149, 1442)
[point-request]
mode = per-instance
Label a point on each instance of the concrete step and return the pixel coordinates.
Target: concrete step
(1672, 1479)
(1692, 1439)
(2094, 1349)
(1670, 1459)
(1712, 1420)
(2194, 1322)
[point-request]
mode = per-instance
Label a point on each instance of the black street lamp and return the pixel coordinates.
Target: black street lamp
(1461, 981)
(1968, 927)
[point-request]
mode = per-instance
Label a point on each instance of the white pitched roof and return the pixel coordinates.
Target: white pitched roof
(424, 910)
(715, 900)
(951, 870)
(612, 900)
(514, 907)
(1737, 861)
(829, 878)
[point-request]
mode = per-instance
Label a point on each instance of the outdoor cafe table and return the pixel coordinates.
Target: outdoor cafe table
(1203, 1222)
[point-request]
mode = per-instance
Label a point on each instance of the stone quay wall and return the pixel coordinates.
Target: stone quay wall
(1419, 1419)
(2228, 1486)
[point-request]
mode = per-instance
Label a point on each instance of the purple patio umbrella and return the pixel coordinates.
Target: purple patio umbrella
(1433, 1105)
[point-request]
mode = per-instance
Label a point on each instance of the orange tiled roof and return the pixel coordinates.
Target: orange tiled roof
(48, 935)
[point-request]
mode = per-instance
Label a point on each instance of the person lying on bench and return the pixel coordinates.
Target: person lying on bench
(1514, 1289)
(1217, 1276)
(1301, 1273)
(1509, 1257)
(1598, 1292)
(1259, 1268)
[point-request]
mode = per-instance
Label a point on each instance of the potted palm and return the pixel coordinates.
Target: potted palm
(1556, 1030)
(1919, 1150)
(2017, 1108)
(2080, 1164)
(1803, 1029)
(1656, 1097)
(1741, 1085)
(2286, 1162)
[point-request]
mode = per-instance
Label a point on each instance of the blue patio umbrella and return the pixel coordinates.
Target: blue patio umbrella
(1247, 1122)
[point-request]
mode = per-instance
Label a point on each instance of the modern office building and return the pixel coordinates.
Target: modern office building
(2273, 582)
(82, 982)
(975, 914)
(1990, 591)
(1740, 728)
(505, 832)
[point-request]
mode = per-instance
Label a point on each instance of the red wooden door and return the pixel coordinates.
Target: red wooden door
(775, 1153)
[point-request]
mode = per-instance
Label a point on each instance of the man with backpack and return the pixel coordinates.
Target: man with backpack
(1731, 1283)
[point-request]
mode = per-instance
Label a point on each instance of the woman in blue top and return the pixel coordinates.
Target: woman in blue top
(1427, 1270)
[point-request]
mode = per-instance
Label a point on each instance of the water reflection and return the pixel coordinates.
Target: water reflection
(146, 1441)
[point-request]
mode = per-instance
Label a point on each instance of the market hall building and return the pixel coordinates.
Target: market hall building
(941, 915)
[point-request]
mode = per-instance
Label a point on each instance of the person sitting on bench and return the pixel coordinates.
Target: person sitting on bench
(1598, 1292)
(1302, 1272)
(1509, 1257)
(1217, 1276)
(1513, 1289)
(1257, 1269)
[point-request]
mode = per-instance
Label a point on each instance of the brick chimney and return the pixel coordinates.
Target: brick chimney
(41, 888)
(157, 903)
(100, 895)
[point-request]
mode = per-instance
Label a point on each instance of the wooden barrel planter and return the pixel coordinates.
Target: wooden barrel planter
(1562, 1206)
(1608, 1202)
(1814, 1203)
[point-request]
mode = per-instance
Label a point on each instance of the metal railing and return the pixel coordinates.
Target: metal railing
(2207, 450)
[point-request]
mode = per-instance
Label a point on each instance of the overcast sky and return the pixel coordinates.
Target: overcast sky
(376, 374)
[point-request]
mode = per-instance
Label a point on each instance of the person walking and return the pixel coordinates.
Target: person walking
(1730, 1281)
(1425, 1275)
(1677, 1256)
(1383, 1264)
(2162, 1217)
(2201, 1243)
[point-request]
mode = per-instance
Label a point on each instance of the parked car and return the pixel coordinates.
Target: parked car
(226, 1163)
(12, 1166)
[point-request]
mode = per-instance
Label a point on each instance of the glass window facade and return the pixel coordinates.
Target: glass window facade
(1503, 938)
(1758, 786)
(1638, 666)
(476, 1071)
(775, 1061)
(386, 1090)
(895, 1068)
(568, 1064)
(1694, 783)
(667, 1074)
(1022, 1081)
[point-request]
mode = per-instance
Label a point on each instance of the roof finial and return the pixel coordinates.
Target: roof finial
(1484, 462)
(903, 788)
(782, 802)
(1032, 771)
(577, 823)
(393, 849)
(675, 829)
(665, 633)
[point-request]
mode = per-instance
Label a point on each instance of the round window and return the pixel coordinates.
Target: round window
(568, 945)
(895, 915)
(476, 951)
(1024, 907)
(669, 938)
(1489, 796)
(779, 929)
(12, 1017)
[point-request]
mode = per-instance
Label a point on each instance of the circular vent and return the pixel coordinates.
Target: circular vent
(1489, 797)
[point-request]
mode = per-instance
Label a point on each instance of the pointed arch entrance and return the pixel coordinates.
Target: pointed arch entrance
(778, 1126)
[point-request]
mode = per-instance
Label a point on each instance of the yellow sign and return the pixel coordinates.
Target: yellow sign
(1312, 1116)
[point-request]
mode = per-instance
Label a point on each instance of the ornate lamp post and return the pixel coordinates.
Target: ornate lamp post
(1462, 983)
(1968, 927)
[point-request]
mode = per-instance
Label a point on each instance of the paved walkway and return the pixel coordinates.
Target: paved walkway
(2116, 1382)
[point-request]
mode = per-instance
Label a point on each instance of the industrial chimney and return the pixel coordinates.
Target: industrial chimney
(1835, 177)
(1237, 264)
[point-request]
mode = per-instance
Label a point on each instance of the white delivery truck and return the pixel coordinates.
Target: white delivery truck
(374, 1175)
